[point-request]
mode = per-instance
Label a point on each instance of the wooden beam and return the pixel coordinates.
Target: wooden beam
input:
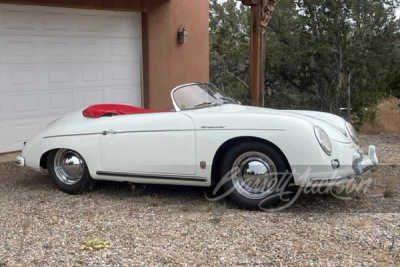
(257, 58)
(261, 11)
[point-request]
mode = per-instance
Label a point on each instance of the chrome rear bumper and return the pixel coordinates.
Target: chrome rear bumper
(362, 163)
(20, 161)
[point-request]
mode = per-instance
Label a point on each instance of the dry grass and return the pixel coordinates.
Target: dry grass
(387, 118)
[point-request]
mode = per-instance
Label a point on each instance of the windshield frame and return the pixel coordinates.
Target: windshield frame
(223, 99)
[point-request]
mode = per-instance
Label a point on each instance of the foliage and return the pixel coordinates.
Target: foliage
(388, 192)
(386, 117)
(152, 200)
(229, 46)
(155, 200)
(320, 54)
(94, 244)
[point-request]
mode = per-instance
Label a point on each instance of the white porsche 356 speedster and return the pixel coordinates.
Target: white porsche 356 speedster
(207, 139)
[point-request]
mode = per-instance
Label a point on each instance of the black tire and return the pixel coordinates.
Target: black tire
(255, 176)
(68, 171)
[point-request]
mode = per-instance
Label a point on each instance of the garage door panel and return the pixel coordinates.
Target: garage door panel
(3, 53)
(56, 20)
(55, 60)
(123, 95)
(14, 132)
(23, 129)
(21, 48)
(3, 81)
(2, 138)
(89, 22)
(90, 75)
(31, 49)
(118, 49)
(34, 20)
(2, 105)
(60, 76)
(125, 73)
(90, 50)
(26, 103)
(61, 102)
(121, 24)
(93, 96)
(19, 19)
(36, 104)
(136, 95)
(23, 76)
(59, 49)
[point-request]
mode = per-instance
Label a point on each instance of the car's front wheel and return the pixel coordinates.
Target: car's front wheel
(68, 170)
(255, 176)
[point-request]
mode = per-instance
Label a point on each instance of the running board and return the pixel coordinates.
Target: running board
(153, 176)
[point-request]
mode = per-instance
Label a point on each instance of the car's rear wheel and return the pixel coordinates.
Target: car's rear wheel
(68, 170)
(255, 176)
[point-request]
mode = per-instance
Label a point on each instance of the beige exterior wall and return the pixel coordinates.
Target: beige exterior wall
(166, 63)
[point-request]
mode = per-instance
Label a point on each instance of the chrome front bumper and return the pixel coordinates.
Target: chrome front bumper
(362, 163)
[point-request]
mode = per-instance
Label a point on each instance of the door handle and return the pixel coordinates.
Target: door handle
(111, 131)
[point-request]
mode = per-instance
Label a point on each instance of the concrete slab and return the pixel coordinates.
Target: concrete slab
(9, 156)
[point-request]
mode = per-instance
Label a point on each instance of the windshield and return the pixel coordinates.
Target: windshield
(199, 95)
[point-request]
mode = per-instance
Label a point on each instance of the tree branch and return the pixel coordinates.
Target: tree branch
(237, 78)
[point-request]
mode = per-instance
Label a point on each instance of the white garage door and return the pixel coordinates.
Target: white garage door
(54, 60)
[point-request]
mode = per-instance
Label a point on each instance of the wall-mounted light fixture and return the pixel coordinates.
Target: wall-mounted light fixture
(182, 35)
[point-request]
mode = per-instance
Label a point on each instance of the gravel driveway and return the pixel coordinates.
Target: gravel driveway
(169, 226)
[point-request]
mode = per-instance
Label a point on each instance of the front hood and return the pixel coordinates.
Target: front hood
(331, 123)
(334, 125)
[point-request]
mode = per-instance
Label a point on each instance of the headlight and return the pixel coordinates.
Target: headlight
(352, 131)
(323, 139)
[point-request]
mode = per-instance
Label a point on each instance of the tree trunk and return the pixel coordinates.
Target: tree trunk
(348, 94)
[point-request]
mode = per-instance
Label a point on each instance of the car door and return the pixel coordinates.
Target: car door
(151, 143)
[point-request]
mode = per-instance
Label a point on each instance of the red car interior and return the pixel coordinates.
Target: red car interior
(99, 110)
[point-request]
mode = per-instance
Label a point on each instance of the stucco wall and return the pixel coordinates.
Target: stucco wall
(167, 63)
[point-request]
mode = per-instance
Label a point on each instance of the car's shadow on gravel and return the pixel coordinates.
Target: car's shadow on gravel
(25, 182)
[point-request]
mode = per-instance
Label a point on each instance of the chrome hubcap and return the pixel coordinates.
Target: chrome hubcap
(254, 175)
(68, 166)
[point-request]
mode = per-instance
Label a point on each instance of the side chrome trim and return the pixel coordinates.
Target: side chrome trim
(241, 129)
(153, 176)
(154, 131)
(213, 127)
(67, 135)
(167, 130)
(202, 129)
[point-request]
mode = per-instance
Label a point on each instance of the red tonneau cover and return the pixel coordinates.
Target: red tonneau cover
(99, 110)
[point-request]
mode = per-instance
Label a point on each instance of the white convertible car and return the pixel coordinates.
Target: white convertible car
(209, 139)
